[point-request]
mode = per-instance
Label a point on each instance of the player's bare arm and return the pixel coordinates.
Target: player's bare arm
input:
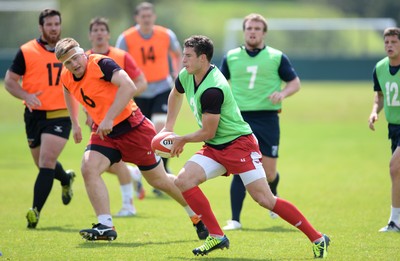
(207, 132)
(73, 109)
(291, 88)
(174, 105)
(12, 85)
(376, 108)
(140, 83)
(126, 90)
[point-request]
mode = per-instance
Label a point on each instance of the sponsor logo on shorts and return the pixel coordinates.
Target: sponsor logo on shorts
(274, 150)
(58, 129)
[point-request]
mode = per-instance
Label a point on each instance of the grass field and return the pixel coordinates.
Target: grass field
(333, 168)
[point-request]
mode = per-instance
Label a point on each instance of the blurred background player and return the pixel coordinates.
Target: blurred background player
(99, 36)
(255, 72)
(158, 54)
(386, 77)
(47, 122)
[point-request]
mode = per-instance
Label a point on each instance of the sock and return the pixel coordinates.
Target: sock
(127, 196)
(238, 193)
(42, 188)
(395, 215)
(292, 215)
(217, 236)
(135, 173)
(200, 204)
(61, 175)
(105, 220)
(274, 185)
(189, 211)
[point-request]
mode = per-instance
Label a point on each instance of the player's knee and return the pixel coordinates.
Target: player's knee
(395, 172)
(394, 169)
(47, 161)
(266, 203)
(264, 199)
(88, 171)
(180, 182)
(271, 175)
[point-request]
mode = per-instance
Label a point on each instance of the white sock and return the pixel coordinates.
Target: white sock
(135, 173)
(105, 220)
(217, 236)
(193, 216)
(319, 240)
(189, 211)
(127, 195)
(395, 215)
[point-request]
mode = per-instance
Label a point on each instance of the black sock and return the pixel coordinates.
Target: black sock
(238, 193)
(42, 188)
(274, 185)
(61, 175)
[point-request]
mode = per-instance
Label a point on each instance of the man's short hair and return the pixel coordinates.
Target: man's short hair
(201, 45)
(391, 31)
(144, 6)
(48, 13)
(64, 45)
(257, 18)
(99, 21)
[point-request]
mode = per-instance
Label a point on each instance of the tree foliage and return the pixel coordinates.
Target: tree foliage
(368, 8)
(184, 17)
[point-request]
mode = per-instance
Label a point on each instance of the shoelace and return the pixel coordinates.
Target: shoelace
(318, 247)
(210, 243)
(33, 218)
(393, 225)
(95, 225)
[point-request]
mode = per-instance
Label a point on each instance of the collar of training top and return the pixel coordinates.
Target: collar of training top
(71, 53)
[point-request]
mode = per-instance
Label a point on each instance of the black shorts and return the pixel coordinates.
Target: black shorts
(150, 106)
(265, 126)
(394, 135)
(52, 122)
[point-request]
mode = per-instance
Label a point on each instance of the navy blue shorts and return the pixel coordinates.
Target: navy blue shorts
(150, 106)
(53, 122)
(265, 126)
(394, 135)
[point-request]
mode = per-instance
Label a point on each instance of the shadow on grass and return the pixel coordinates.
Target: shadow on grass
(273, 229)
(104, 243)
(218, 258)
(156, 197)
(66, 229)
(70, 229)
(235, 258)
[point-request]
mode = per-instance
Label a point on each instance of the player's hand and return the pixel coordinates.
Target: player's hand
(372, 119)
(276, 97)
(77, 133)
(89, 120)
(104, 128)
(32, 101)
(177, 146)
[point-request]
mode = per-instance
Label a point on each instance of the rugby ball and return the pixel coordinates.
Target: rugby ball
(162, 143)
